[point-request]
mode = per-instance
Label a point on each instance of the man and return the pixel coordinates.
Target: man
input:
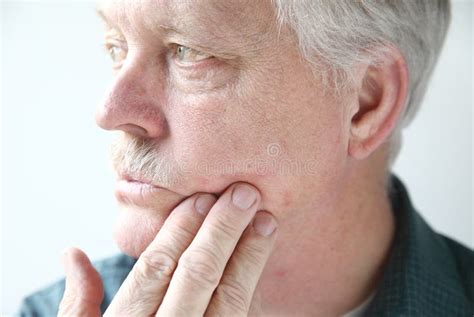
(253, 164)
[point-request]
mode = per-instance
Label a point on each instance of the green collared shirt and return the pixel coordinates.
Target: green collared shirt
(427, 273)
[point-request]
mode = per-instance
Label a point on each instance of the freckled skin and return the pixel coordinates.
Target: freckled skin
(256, 95)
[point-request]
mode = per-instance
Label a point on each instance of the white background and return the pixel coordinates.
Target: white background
(56, 185)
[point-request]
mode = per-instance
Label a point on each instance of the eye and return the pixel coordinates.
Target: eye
(117, 52)
(187, 55)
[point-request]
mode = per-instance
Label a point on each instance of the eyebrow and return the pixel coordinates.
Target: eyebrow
(166, 29)
(103, 16)
(211, 43)
(100, 12)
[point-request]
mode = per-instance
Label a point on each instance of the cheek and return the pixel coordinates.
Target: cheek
(211, 139)
(309, 165)
(290, 146)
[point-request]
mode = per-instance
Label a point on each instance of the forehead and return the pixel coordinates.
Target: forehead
(223, 18)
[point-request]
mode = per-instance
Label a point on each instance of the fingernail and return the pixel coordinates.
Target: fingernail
(243, 196)
(264, 224)
(204, 203)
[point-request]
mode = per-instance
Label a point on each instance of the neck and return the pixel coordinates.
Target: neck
(328, 263)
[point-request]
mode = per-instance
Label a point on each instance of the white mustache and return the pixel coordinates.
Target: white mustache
(142, 159)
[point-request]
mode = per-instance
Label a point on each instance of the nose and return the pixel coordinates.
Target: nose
(134, 102)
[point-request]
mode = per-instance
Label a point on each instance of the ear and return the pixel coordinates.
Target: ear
(383, 90)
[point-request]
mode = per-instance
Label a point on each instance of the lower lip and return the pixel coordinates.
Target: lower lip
(136, 193)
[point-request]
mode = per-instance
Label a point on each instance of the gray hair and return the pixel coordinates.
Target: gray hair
(338, 33)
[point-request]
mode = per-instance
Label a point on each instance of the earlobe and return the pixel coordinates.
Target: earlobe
(382, 99)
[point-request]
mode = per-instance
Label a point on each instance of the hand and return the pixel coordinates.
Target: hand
(196, 265)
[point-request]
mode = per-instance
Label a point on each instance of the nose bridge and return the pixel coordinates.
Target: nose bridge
(134, 101)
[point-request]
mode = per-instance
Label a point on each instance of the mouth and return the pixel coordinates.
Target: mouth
(136, 179)
(137, 191)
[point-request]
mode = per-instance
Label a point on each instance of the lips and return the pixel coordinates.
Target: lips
(135, 192)
(131, 190)
(135, 179)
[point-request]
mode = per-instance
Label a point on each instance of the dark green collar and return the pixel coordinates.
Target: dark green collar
(426, 274)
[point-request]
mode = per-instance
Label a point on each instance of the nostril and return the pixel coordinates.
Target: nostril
(133, 129)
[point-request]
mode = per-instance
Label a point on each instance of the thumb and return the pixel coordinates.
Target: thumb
(84, 291)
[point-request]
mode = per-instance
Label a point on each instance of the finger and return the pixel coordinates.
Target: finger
(201, 265)
(84, 291)
(234, 294)
(255, 309)
(144, 288)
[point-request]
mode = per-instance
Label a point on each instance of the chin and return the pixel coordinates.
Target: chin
(136, 228)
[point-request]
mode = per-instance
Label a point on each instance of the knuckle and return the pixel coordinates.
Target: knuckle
(201, 266)
(178, 234)
(223, 229)
(233, 295)
(254, 253)
(181, 230)
(156, 265)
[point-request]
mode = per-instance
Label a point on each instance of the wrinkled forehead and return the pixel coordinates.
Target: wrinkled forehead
(224, 18)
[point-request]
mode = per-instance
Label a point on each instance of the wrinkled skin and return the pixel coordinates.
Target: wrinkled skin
(230, 112)
(252, 111)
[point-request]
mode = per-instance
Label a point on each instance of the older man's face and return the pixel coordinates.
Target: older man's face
(208, 93)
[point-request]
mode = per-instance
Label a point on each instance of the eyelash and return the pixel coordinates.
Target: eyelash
(110, 46)
(175, 48)
(201, 56)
